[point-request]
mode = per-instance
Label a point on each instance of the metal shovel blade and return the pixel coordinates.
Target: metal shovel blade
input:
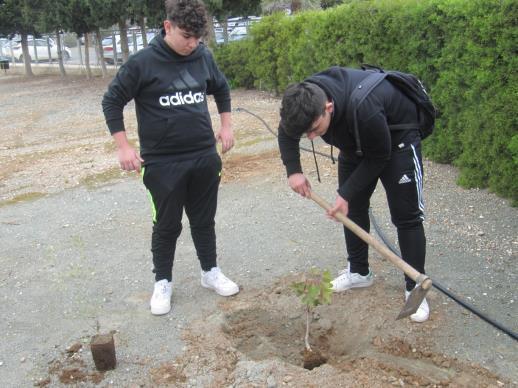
(413, 302)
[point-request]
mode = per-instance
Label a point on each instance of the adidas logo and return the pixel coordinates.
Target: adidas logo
(180, 99)
(177, 96)
(404, 179)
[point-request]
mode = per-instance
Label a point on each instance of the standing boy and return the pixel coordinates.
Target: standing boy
(170, 81)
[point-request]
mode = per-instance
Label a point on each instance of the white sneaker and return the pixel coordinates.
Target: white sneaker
(161, 300)
(423, 311)
(347, 280)
(215, 280)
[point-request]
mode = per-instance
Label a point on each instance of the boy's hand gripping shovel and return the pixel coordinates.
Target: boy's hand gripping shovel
(423, 282)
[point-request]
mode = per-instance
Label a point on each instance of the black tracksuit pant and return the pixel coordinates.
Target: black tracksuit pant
(173, 186)
(402, 179)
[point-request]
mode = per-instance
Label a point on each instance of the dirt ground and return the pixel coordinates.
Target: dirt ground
(54, 136)
(53, 139)
(256, 340)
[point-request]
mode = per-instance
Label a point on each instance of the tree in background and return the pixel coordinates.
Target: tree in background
(105, 14)
(102, 18)
(117, 12)
(80, 21)
(147, 13)
(54, 17)
(155, 13)
(221, 10)
(17, 17)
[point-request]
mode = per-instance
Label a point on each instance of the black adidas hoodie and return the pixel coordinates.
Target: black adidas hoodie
(383, 106)
(170, 93)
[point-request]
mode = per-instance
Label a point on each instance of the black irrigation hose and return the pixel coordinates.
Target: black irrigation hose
(441, 288)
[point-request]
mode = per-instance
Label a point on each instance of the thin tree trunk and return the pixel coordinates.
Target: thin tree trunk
(26, 57)
(87, 56)
(211, 38)
(123, 31)
(97, 53)
(99, 45)
(142, 25)
(60, 56)
(224, 24)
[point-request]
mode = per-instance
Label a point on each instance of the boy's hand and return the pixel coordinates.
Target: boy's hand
(341, 205)
(300, 184)
(129, 159)
(226, 137)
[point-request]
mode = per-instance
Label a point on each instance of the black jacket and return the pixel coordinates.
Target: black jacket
(383, 106)
(170, 93)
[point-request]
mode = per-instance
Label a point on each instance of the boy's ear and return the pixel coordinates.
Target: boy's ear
(167, 25)
(329, 106)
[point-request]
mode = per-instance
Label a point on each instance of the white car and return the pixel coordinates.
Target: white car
(238, 33)
(3, 42)
(107, 44)
(38, 49)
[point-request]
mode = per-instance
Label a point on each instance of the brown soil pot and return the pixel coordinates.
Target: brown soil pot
(103, 351)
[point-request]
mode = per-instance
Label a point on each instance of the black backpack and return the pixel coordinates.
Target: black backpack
(408, 84)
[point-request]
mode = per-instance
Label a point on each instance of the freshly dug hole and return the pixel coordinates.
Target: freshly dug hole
(266, 333)
(313, 359)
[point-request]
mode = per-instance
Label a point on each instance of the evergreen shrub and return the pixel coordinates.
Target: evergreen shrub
(464, 50)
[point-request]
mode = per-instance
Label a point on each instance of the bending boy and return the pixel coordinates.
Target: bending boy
(317, 107)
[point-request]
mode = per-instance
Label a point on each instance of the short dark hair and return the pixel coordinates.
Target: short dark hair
(301, 105)
(189, 15)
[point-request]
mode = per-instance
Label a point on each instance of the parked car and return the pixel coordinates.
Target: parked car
(237, 28)
(4, 47)
(107, 44)
(238, 33)
(220, 38)
(42, 50)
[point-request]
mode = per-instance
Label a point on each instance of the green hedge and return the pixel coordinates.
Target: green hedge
(464, 50)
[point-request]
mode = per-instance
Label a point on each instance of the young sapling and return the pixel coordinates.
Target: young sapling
(314, 290)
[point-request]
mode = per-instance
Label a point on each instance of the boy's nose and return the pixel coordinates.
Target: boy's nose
(193, 42)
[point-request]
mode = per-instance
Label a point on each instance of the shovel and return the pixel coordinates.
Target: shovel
(423, 282)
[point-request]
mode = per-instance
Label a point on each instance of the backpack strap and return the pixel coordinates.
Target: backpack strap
(360, 92)
(398, 127)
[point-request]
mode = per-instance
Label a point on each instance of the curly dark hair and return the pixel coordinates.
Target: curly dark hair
(301, 105)
(189, 15)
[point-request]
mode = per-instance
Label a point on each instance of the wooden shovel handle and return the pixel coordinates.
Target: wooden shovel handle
(382, 249)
